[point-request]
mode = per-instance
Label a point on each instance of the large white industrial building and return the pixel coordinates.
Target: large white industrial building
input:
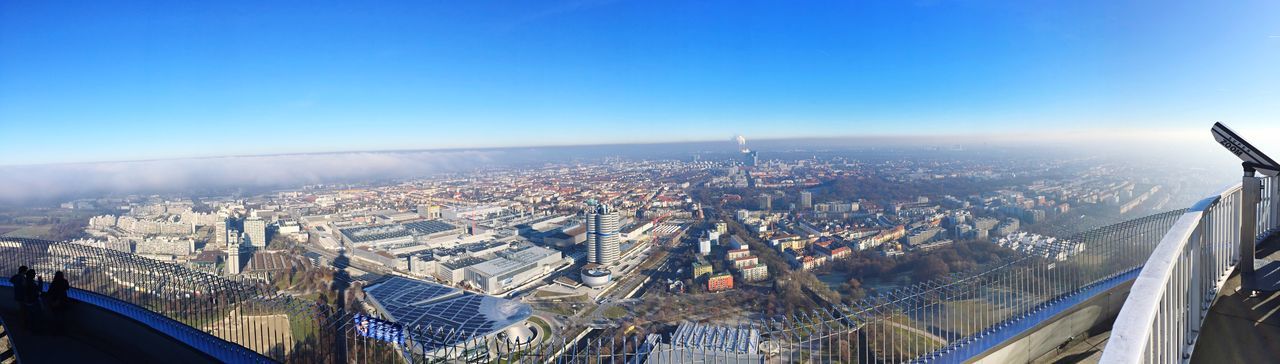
(513, 268)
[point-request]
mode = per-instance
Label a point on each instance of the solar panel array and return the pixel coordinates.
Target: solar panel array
(429, 227)
(438, 316)
(375, 233)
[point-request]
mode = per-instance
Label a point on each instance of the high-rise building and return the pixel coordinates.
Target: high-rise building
(750, 158)
(806, 200)
(603, 241)
(765, 201)
(233, 252)
(220, 231)
(256, 230)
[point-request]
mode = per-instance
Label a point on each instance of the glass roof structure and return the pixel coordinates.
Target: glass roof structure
(439, 316)
(374, 233)
(429, 227)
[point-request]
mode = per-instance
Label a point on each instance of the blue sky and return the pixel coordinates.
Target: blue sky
(99, 81)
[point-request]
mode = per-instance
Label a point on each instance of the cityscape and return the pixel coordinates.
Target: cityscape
(619, 181)
(619, 246)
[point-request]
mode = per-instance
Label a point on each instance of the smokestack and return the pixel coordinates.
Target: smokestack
(742, 143)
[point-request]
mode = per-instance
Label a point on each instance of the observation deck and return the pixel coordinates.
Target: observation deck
(87, 333)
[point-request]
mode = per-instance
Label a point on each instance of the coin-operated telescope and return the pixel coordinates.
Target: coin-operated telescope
(1256, 274)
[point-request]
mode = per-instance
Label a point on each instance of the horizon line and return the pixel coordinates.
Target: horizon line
(1058, 134)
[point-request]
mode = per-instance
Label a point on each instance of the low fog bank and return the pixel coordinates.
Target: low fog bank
(1177, 152)
(39, 183)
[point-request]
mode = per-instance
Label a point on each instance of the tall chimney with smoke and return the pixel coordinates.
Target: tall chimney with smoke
(742, 143)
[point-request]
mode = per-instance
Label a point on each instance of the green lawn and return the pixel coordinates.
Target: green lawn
(544, 328)
(560, 308)
(35, 232)
(957, 313)
(899, 340)
(615, 312)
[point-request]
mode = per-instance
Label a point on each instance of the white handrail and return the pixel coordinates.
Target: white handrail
(1133, 329)
(1161, 318)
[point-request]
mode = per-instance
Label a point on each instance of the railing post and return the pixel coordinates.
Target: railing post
(1273, 201)
(1191, 296)
(1250, 189)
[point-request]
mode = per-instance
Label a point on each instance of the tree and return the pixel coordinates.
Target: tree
(931, 267)
(66, 230)
(853, 290)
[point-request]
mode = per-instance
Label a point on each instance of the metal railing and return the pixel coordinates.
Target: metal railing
(1160, 321)
(228, 320)
(8, 353)
(948, 320)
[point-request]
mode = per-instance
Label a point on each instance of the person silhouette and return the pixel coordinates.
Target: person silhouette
(31, 287)
(31, 300)
(17, 281)
(56, 297)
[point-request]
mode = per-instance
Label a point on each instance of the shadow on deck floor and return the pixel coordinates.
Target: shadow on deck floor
(90, 334)
(1239, 328)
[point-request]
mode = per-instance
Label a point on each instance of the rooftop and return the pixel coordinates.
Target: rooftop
(530, 254)
(375, 233)
(719, 338)
(429, 227)
(462, 262)
(269, 261)
(496, 266)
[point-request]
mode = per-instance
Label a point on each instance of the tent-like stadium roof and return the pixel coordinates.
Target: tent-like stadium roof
(439, 316)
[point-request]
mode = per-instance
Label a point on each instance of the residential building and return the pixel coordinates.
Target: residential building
(720, 282)
(700, 268)
(219, 231)
(746, 261)
(754, 273)
(256, 231)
